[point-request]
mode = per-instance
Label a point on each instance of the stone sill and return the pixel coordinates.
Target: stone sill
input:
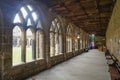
(56, 55)
(23, 63)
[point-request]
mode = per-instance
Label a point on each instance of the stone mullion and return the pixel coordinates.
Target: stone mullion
(85, 39)
(55, 40)
(47, 46)
(79, 44)
(64, 41)
(23, 47)
(59, 43)
(34, 47)
(53, 44)
(88, 41)
(82, 40)
(64, 45)
(42, 45)
(1, 45)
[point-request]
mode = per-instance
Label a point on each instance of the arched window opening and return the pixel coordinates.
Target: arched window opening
(53, 24)
(56, 20)
(17, 19)
(60, 39)
(81, 44)
(24, 12)
(69, 39)
(39, 25)
(16, 45)
(52, 46)
(29, 45)
(60, 43)
(29, 22)
(34, 15)
(76, 44)
(68, 44)
(56, 43)
(55, 38)
(30, 8)
(70, 49)
(28, 50)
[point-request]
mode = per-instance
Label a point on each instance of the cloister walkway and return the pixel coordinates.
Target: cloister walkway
(87, 66)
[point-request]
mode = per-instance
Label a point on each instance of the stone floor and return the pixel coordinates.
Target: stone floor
(88, 66)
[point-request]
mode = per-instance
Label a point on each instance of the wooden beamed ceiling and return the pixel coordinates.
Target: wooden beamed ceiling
(90, 15)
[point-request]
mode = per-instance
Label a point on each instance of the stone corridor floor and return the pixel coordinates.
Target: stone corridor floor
(87, 66)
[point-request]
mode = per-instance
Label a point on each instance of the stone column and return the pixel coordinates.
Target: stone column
(1, 45)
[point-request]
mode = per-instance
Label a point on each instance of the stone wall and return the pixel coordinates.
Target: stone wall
(113, 32)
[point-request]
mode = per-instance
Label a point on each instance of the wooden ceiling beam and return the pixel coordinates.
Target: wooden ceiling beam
(90, 15)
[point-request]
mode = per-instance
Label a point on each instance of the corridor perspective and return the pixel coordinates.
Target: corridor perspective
(87, 66)
(59, 39)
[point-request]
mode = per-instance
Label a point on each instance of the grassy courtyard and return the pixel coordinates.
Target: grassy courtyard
(17, 55)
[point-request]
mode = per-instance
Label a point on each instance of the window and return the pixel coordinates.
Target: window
(80, 43)
(30, 8)
(17, 44)
(52, 46)
(55, 38)
(24, 12)
(34, 15)
(17, 19)
(29, 22)
(29, 45)
(60, 42)
(28, 37)
(76, 44)
(69, 39)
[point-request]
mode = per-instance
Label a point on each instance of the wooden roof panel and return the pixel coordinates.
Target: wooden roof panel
(90, 15)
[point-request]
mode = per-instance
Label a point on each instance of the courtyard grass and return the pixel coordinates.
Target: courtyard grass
(17, 55)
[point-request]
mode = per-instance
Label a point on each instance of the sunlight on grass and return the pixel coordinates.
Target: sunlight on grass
(17, 55)
(29, 54)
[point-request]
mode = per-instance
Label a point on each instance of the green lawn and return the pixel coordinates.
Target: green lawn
(16, 56)
(28, 54)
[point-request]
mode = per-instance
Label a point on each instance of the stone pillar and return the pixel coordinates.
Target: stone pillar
(1, 45)
(47, 47)
(64, 41)
(6, 49)
(82, 40)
